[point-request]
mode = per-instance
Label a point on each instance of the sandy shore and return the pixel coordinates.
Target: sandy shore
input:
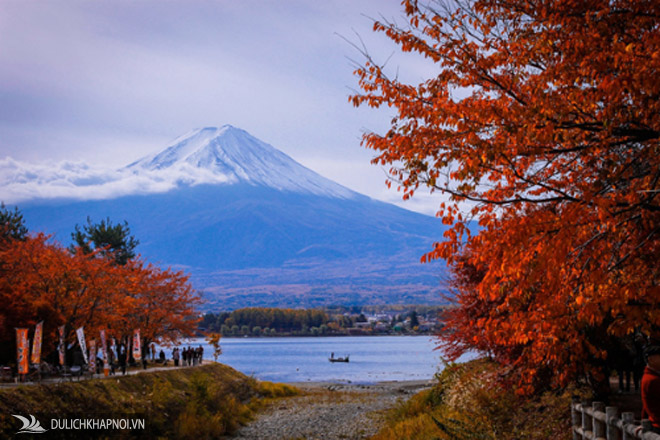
(328, 410)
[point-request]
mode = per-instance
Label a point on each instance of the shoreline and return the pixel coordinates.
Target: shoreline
(404, 386)
(321, 336)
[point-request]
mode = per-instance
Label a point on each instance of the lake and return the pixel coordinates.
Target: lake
(302, 359)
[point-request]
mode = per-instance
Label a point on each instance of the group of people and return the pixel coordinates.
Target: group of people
(186, 357)
(189, 356)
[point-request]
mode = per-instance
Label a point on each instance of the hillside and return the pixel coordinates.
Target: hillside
(254, 227)
(199, 402)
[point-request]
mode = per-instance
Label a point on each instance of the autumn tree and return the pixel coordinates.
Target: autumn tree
(112, 240)
(161, 303)
(541, 122)
(214, 341)
(42, 281)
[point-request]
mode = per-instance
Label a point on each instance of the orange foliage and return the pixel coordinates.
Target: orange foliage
(44, 281)
(544, 119)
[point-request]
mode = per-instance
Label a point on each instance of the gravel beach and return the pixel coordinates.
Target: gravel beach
(329, 411)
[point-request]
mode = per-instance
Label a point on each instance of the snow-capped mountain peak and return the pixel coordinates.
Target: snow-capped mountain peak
(232, 155)
(207, 156)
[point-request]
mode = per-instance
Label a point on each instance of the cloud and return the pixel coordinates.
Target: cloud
(107, 83)
(20, 181)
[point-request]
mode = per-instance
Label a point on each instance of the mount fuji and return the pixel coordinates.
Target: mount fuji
(255, 228)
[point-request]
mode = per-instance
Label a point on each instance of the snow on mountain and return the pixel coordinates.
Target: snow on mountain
(251, 225)
(217, 156)
(240, 157)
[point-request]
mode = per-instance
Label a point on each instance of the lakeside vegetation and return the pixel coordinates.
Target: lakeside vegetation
(329, 321)
(187, 403)
(467, 403)
(539, 124)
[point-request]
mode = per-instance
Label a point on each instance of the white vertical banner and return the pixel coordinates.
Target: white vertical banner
(81, 341)
(102, 348)
(113, 348)
(104, 352)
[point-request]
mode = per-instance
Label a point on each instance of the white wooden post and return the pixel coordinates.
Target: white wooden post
(612, 414)
(576, 419)
(587, 421)
(599, 425)
(646, 425)
(628, 418)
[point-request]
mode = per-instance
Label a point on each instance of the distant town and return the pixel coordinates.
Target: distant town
(328, 321)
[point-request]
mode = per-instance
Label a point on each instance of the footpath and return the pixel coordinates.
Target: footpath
(329, 411)
(86, 376)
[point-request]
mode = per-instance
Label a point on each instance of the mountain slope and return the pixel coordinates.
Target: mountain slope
(265, 230)
(238, 157)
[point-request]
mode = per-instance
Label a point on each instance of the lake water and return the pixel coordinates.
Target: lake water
(302, 359)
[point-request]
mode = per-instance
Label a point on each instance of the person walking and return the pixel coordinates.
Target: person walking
(122, 359)
(175, 356)
(145, 352)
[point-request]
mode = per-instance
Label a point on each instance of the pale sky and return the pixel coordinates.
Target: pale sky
(107, 82)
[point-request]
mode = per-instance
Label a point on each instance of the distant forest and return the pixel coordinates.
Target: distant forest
(257, 321)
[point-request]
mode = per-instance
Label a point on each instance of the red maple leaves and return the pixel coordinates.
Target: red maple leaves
(543, 123)
(44, 281)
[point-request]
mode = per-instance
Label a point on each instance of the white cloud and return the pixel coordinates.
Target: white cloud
(20, 181)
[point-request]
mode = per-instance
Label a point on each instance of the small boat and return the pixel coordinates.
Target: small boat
(332, 358)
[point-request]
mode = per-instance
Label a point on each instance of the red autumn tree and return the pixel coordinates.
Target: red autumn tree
(42, 281)
(542, 122)
(161, 303)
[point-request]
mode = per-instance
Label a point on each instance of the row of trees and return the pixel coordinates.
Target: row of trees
(243, 321)
(307, 322)
(542, 123)
(97, 284)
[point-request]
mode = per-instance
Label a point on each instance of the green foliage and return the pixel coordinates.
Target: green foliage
(414, 320)
(114, 241)
(281, 320)
(12, 224)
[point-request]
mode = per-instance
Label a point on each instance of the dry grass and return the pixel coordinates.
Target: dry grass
(196, 403)
(467, 404)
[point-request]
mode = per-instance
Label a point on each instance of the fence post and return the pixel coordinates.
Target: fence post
(628, 418)
(599, 426)
(587, 421)
(646, 425)
(575, 418)
(611, 414)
